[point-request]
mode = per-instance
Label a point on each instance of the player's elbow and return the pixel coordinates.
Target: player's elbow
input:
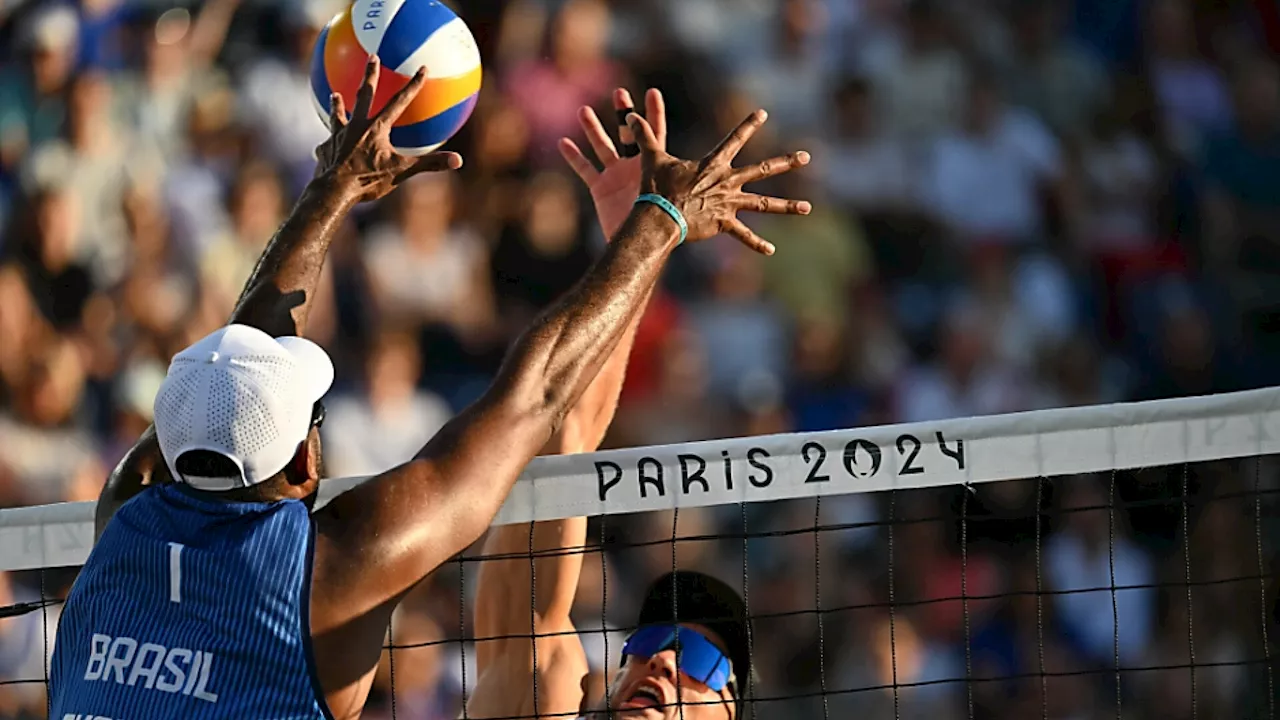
(536, 418)
(536, 401)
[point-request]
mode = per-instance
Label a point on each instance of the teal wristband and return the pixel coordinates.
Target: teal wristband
(669, 209)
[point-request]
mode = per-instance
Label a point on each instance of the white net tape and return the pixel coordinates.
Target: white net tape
(929, 454)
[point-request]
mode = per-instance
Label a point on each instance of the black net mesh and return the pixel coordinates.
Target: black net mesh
(1129, 595)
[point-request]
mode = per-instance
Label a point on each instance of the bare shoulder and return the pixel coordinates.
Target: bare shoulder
(506, 689)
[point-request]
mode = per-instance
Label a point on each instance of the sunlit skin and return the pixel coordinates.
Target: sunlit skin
(530, 661)
(659, 675)
(375, 542)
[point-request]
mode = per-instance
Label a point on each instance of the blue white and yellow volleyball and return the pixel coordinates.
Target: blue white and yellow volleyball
(405, 35)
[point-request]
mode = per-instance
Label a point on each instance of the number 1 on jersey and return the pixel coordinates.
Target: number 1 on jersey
(175, 572)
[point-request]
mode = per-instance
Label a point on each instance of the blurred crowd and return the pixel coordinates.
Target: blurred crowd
(1020, 204)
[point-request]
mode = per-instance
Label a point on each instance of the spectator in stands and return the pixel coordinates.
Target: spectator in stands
(1027, 301)
(59, 280)
(865, 166)
(369, 431)
(39, 437)
(1120, 179)
(132, 395)
(967, 379)
(103, 42)
(1242, 176)
(1189, 359)
(985, 180)
(158, 289)
(276, 96)
(1049, 75)
(574, 71)
(827, 262)
(256, 209)
(32, 105)
(1070, 227)
(1190, 91)
(789, 72)
(22, 327)
(177, 71)
(421, 688)
(426, 266)
(825, 393)
(497, 160)
(680, 408)
(541, 252)
(1094, 551)
(923, 87)
(195, 183)
(92, 163)
(749, 333)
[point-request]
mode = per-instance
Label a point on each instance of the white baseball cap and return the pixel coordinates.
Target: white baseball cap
(242, 394)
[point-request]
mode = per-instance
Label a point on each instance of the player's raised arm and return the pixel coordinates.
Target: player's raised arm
(377, 541)
(506, 667)
(356, 163)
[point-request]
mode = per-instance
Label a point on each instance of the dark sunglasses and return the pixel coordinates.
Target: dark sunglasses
(317, 414)
(696, 655)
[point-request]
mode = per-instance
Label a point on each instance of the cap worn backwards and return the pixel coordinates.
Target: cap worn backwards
(685, 596)
(242, 394)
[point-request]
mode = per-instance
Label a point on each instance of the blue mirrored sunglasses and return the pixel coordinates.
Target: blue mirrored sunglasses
(696, 656)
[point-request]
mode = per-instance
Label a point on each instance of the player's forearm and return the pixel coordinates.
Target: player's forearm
(586, 425)
(505, 587)
(276, 299)
(415, 516)
(557, 546)
(545, 373)
(502, 581)
(278, 295)
(599, 403)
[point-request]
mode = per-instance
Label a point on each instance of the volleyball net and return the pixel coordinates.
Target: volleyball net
(1099, 562)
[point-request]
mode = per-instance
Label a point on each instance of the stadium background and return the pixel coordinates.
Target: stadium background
(1022, 204)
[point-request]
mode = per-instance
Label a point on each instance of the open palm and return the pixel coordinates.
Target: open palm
(615, 187)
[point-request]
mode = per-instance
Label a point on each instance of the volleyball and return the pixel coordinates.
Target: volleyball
(405, 35)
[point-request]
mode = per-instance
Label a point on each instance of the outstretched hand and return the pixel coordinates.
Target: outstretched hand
(615, 187)
(709, 192)
(359, 149)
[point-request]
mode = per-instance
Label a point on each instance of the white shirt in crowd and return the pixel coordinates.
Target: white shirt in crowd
(1090, 614)
(278, 98)
(428, 284)
(986, 187)
(363, 440)
(871, 174)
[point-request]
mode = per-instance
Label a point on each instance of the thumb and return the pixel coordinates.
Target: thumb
(643, 132)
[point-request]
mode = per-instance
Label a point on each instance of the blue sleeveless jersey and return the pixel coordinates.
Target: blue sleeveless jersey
(191, 609)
